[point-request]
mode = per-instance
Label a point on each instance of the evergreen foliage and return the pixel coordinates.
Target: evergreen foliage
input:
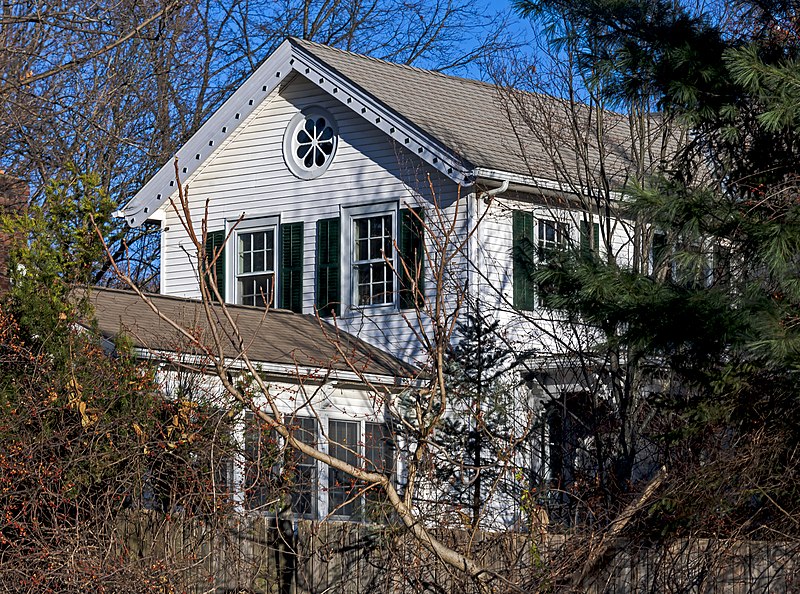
(480, 438)
(720, 306)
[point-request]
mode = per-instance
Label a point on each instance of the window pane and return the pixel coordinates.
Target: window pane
(258, 242)
(362, 249)
(361, 227)
(375, 247)
(378, 272)
(258, 262)
(376, 227)
(301, 470)
(342, 488)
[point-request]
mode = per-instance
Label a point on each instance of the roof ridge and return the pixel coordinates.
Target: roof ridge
(324, 47)
(487, 85)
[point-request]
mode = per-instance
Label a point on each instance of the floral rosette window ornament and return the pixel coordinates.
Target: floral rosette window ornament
(309, 144)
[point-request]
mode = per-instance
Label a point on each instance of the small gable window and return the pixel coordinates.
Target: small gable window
(309, 143)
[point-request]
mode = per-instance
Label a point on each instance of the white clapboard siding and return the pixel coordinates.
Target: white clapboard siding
(537, 329)
(248, 175)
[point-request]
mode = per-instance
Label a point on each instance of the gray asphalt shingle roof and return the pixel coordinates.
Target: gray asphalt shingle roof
(473, 118)
(281, 337)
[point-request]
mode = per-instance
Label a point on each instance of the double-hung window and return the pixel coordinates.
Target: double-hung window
(303, 468)
(369, 257)
(343, 443)
(551, 237)
(266, 459)
(256, 249)
(373, 254)
(379, 250)
(535, 240)
(375, 453)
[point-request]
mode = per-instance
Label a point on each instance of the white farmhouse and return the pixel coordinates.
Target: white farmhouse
(338, 185)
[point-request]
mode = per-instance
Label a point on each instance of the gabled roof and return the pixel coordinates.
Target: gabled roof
(462, 127)
(281, 341)
(465, 115)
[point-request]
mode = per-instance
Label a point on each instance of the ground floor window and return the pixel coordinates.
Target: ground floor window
(273, 473)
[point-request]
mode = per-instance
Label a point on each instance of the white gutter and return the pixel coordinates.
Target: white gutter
(289, 371)
(529, 184)
(494, 192)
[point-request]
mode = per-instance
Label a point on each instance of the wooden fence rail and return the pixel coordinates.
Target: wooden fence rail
(253, 555)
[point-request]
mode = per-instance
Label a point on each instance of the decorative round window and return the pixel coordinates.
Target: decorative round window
(309, 143)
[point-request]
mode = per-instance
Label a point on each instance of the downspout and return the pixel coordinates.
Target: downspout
(472, 222)
(496, 191)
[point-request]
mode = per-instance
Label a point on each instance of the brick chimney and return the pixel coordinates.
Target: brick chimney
(14, 195)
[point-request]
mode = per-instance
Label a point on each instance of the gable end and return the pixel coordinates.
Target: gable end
(287, 59)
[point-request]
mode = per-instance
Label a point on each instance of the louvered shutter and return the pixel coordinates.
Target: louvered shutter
(522, 248)
(215, 242)
(328, 293)
(590, 241)
(291, 271)
(412, 251)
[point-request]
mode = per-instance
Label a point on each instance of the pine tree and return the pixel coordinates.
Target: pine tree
(721, 307)
(478, 436)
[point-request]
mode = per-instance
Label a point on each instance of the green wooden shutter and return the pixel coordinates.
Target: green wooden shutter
(522, 248)
(588, 247)
(328, 294)
(215, 241)
(660, 254)
(412, 251)
(291, 272)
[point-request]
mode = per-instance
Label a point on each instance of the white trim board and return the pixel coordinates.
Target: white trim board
(237, 109)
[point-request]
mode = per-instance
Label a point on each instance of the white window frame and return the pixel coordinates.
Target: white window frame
(241, 227)
(360, 503)
(291, 142)
(319, 491)
(348, 263)
(562, 240)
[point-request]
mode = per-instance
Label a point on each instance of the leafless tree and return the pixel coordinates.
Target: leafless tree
(114, 89)
(595, 392)
(417, 415)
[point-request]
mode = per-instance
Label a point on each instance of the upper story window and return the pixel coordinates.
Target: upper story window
(372, 260)
(551, 236)
(309, 143)
(371, 256)
(534, 241)
(256, 255)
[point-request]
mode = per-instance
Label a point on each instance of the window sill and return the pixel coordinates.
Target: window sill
(376, 310)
